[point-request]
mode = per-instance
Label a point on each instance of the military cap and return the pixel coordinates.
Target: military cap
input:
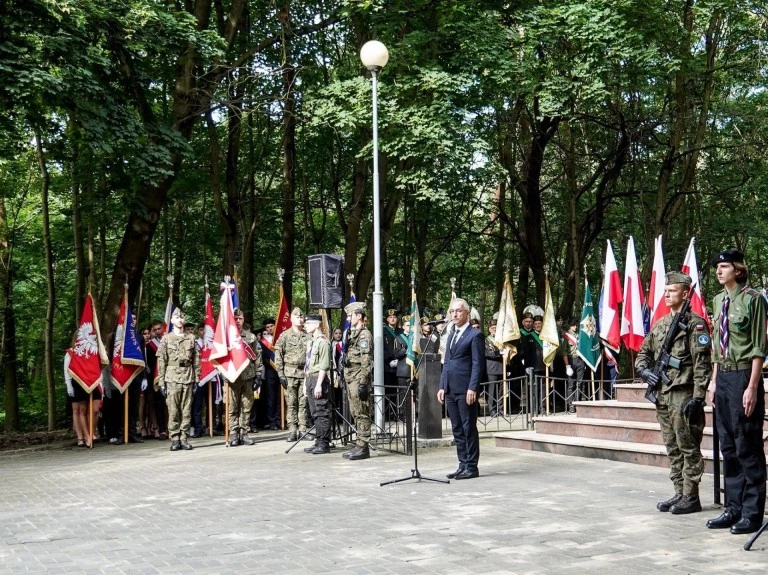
(355, 307)
(678, 278)
(527, 314)
(297, 311)
(314, 317)
(538, 318)
(493, 323)
(268, 321)
(496, 315)
(237, 312)
(392, 311)
(406, 318)
(729, 256)
(178, 312)
(424, 319)
(438, 317)
(474, 321)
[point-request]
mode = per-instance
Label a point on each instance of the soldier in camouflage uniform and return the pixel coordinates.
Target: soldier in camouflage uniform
(680, 404)
(240, 394)
(178, 368)
(290, 356)
(357, 375)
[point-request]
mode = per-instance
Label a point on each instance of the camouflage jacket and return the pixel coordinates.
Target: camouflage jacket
(291, 353)
(692, 347)
(359, 356)
(256, 365)
(178, 360)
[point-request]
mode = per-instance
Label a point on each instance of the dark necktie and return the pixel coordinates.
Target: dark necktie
(724, 331)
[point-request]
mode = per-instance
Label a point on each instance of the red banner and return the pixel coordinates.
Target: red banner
(127, 358)
(228, 353)
(87, 355)
(207, 369)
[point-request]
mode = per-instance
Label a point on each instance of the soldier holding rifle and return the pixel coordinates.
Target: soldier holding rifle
(680, 387)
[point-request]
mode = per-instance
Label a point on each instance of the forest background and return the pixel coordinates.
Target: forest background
(142, 139)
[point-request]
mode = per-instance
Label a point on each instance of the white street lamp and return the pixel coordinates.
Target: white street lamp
(375, 56)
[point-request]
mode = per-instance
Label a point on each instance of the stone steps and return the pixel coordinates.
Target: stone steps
(621, 429)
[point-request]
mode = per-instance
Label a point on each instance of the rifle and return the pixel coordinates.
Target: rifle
(665, 360)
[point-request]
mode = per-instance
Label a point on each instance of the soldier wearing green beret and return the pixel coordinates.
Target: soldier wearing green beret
(358, 375)
(680, 403)
(739, 394)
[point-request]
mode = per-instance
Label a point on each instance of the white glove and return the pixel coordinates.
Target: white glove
(201, 383)
(70, 389)
(393, 363)
(144, 384)
(569, 370)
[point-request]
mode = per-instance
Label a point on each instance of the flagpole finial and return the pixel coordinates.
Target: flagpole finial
(206, 282)
(280, 274)
(546, 269)
(453, 284)
(170, 282)
(125, 285)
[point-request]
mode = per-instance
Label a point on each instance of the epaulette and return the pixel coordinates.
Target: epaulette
(753, 292)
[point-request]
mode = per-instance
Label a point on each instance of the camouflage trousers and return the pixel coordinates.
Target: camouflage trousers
(179, 401)
(296, 405)
(361, 410)
(239, 404)
(682, 440)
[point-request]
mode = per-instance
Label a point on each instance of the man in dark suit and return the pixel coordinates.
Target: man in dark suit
(463, 370)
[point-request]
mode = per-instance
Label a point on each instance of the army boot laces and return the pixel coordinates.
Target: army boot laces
(687, 504)
(362, 453)
(349, 452)
(667, 505)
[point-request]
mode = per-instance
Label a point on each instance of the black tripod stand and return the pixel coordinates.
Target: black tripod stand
(415, 473)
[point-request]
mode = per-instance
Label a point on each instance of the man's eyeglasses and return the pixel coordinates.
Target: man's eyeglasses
(460, 310)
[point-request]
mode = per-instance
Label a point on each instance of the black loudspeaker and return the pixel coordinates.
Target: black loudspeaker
(326, 281)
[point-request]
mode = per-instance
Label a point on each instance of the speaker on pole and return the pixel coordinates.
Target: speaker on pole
(326, 281)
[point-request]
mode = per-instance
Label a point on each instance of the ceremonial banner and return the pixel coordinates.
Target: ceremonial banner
(283, 316)
(127, 357)
(414, 334)
(656, 292)
(691, 268)
(632, 324)
(229, 352)
(610, 299)
(507, 328)
(207, 369)
(589, 344)
(550, 339)
(87, 355)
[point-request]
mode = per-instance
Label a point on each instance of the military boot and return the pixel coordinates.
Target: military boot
(687, 504)
(361, 453)
(234, 440)
(175, 445)
(245, 440)
(292, 437)
(185, 445)
(666, 505)
(311, 448)
(349, 452)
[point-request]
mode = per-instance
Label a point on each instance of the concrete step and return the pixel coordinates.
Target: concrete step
(624, 411)
(628, 452)
(612, 430)
(629, 392)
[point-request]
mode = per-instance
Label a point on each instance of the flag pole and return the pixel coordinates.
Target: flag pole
(90, 420)
(506, 382)
(592, 375)
(226, 412)
(546, 385)
(125, 417)
(280, 275)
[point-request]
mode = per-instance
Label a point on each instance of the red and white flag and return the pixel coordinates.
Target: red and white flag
(656, 291)
(691, 268)
(632, 328)
(207, 370)
(228, 353)
(168, 314)
(283, 317)
(127, 358)
(87, 355)
(609, 302)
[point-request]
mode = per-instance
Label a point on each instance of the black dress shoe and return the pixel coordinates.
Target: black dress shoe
(455, 473)
(467, 474)
(135, 439)
(726, 519)
(744, 526)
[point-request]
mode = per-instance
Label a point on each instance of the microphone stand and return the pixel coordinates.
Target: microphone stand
(415, 473)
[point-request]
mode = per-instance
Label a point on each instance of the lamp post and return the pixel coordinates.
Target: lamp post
(375, 56)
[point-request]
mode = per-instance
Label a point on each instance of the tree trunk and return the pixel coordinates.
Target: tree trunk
(8, 326)
(49, 276)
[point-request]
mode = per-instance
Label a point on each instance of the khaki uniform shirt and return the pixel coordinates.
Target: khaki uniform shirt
(320, 356)
(291, 353)
(178, 360)
(746, 326)
(692, 347)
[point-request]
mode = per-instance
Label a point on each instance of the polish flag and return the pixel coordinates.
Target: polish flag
(609, 301)
(229, 352)
(656, 291)
(168, 314)
(207, 370)
(632, 328)
(87, 355)
(692, 269)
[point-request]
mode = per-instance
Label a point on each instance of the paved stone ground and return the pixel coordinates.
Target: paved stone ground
(142, 509)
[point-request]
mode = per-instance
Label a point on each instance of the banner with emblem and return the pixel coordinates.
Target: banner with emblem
(283, 317)
(507, 328)
(589, 342)
(229, 353)
(550, 337)
(127, 357)
(87, 355)
(207, 369)
(414, 333)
